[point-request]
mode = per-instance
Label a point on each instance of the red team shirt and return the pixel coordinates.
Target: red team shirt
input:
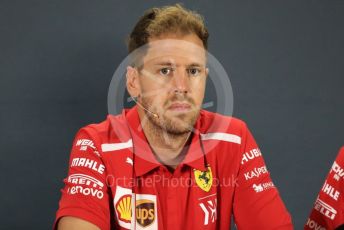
(328, 210)
(222, 174)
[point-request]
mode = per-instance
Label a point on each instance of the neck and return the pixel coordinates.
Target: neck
(169, 149)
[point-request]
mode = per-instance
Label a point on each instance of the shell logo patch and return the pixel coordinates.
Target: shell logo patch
(204, 179)
(123, 208)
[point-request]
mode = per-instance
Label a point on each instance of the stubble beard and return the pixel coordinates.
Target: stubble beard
(179, 125)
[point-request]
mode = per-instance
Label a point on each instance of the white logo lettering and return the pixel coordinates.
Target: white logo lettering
(85, 191)
(325, 209)
(209, 209)
(331, 191)
(87, 163)
(314, 225)
(253, 153)
(263, 186)
(82, 179)
(256, 172)
(84, 143)
(339, 172)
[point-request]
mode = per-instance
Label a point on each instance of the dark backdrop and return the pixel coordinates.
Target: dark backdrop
(285, 60)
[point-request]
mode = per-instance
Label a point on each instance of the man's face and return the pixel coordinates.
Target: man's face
(172, 81)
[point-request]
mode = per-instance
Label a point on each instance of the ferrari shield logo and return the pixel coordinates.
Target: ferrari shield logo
(204, 179)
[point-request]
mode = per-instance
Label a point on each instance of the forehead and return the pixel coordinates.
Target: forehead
(175, 49)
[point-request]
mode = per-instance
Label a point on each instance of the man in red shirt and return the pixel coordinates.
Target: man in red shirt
(166, 163)
(328, 210)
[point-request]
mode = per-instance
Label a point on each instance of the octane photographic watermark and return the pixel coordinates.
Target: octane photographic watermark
(165, 181)
(175, 51)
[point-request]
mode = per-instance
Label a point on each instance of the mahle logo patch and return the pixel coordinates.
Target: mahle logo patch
(145, 212)
(204, 179)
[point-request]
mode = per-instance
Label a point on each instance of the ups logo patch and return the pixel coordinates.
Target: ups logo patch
(145, 212)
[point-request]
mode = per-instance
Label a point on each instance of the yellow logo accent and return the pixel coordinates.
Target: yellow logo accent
(204, 179)
(145, 212)
(123, 207)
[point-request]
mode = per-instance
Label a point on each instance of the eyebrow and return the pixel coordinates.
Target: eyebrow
(164, 63)
(171, 64)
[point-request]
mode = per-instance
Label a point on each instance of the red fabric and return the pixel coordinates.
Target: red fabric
(90, 200)
(328, 210)
(240, 185)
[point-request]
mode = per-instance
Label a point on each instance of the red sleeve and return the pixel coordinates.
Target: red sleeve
(328, 210)
(85, 194)
(257, 204)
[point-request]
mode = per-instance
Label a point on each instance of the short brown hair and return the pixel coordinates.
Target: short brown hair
(167, 19)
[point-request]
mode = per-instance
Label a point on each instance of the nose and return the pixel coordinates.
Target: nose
(180, 81)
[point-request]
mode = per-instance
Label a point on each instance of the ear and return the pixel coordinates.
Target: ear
(133, 84)
(206, 72)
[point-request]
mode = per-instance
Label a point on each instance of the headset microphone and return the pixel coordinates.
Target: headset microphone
(138, 103)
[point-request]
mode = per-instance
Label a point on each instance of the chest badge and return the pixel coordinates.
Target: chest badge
(204, 179)
(123, 207)
(145, 212)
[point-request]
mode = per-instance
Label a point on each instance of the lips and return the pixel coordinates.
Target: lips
(179, 107)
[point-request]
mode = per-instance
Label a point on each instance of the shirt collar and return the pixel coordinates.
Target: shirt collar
(144, 159)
